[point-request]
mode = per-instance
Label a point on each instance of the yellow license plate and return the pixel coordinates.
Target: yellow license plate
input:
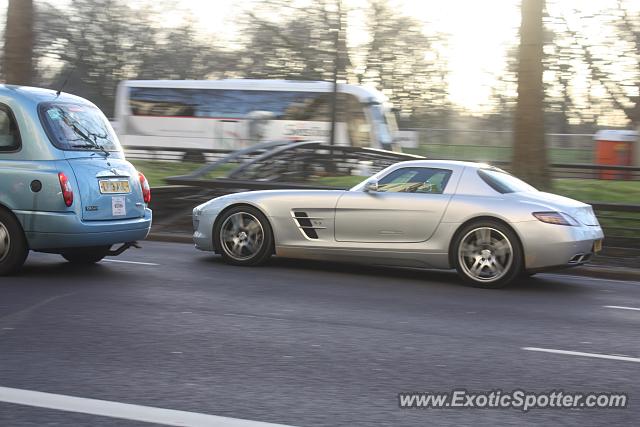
(114, 187)
(597, 246)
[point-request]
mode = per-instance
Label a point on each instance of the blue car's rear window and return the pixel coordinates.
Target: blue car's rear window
(77, 127)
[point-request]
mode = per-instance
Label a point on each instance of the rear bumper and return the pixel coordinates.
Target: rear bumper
(549, 246)
(53, 230)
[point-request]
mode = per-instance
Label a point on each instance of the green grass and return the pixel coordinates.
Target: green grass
(595, 190)
(156, 172)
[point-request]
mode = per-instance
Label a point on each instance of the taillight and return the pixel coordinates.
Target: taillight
(65, 186)
(146, 191)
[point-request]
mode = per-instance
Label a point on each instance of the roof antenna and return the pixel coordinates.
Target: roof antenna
(65, 82)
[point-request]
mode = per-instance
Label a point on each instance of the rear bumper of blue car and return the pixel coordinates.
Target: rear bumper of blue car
(55, 230)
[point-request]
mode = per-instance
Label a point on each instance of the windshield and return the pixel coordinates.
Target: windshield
(502, 182)
(77, 127)
(381, 125)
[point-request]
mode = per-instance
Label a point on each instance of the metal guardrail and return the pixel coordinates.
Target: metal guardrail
(620, 222)
(209, 156)
(293, 162)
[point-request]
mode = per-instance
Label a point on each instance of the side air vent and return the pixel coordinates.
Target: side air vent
(305, 224)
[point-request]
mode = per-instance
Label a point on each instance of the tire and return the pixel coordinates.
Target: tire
(89, 255)
(243, 236)
(13, 244)
(487, 254)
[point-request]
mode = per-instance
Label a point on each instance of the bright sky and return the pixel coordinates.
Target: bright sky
(481, 31)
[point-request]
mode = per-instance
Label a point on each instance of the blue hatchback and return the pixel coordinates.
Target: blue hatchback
(65, 186)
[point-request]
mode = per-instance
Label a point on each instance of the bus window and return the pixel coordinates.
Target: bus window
(382, 128)
(217, 103)
(357, 123)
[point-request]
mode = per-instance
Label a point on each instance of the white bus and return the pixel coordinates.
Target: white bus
(234, 114)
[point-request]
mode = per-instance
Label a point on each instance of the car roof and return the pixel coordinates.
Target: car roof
(34, 95)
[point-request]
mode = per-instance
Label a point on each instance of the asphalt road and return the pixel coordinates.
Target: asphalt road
(306, 343)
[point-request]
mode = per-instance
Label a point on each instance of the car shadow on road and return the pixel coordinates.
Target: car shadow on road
(428, 277)
(53, 271)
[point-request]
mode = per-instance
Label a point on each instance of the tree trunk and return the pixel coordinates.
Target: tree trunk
(18, 47)
(529, 149)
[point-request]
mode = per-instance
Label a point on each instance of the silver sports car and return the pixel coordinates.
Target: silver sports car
(488, 225)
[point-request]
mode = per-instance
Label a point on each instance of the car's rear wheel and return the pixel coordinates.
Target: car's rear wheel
(488, 254)
(13, 244)
(89, 255)
(243, 236)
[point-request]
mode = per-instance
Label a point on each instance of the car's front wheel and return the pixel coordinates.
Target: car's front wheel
(488, 254)
(243, 236)
(13, 245)
(86, 255)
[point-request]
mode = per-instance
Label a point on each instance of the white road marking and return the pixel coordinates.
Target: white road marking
(125, 411)
(251, 316)
(619, 307)
(129, 262)
(580, 353)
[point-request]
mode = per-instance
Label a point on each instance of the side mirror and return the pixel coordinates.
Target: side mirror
(371, 186)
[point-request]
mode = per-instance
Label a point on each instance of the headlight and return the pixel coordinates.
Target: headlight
(196, 217)
(558, 218)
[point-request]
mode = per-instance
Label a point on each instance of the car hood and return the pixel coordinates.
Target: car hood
(580, 211)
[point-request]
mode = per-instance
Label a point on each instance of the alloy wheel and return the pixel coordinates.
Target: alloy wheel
(5, 242)
(241, 236)
(485, 254)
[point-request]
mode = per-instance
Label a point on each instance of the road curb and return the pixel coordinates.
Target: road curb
(604, 272)
(601, 272)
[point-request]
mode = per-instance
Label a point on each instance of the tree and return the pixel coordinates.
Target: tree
(529, 149)
(299, 45)
(95, 44)
(19, 37)
(394, 59)
(288, 42)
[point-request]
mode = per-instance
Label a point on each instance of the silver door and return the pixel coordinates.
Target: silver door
(407, 207)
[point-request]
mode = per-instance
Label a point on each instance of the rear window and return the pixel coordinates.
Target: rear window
(77, 127)
(502, 182)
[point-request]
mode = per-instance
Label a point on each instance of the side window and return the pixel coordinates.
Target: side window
(9, 135)
(157, 102)
(415, 180)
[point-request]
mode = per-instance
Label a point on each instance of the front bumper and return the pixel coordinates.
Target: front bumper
(548, 246)
(54, 230)
(203, 221)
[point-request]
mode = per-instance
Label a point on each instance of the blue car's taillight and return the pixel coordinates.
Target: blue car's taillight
(67, 191)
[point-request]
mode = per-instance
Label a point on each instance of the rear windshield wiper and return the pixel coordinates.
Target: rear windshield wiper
(91, 143)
